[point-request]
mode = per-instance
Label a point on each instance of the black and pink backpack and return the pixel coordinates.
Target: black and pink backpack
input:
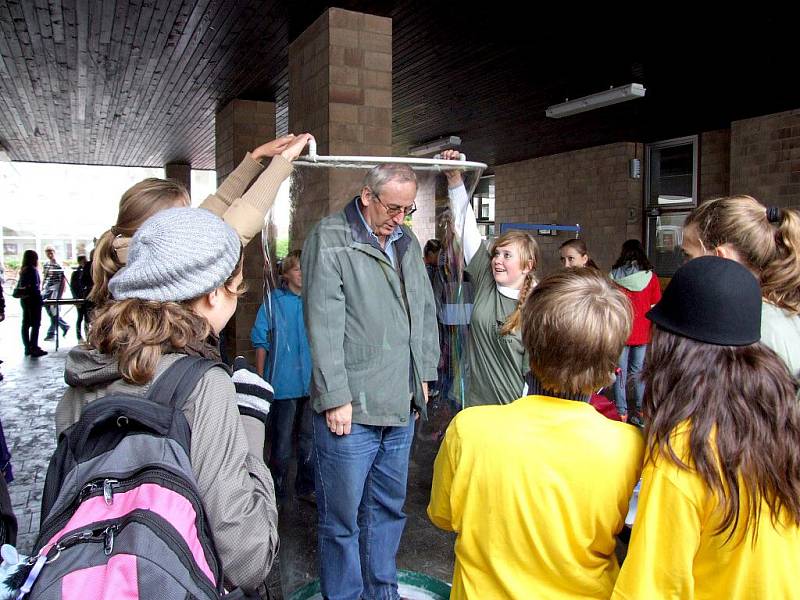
(121, 514)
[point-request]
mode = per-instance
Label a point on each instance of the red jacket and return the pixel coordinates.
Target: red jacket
(642, 301)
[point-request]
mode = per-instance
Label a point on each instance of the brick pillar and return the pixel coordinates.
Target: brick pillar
(340, 89)
(181, 173)
(241, 126)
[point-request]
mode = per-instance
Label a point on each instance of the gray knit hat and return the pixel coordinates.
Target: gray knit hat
(177, 254)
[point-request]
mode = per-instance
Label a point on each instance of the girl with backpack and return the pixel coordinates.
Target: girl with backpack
(635, 276)
(179, 288)
(719, 509)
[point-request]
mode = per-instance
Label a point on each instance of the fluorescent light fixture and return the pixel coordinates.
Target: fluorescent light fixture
(434, 146)
(623, 93)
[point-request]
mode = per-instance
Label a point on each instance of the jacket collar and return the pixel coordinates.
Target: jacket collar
(361, 234)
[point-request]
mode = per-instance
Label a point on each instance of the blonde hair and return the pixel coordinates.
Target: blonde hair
(138, 203)
(574, 326)
(529, 255)
(769, 250)
(289, 262)
(138, 332)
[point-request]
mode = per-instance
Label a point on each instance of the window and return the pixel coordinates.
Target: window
(670, 193)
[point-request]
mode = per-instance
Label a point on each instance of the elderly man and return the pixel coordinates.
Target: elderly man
(371, 323)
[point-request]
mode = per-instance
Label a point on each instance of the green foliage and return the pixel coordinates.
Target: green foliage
(12, 262)
(282, 247)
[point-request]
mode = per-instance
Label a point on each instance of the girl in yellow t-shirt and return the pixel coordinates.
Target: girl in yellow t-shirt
(719, 509)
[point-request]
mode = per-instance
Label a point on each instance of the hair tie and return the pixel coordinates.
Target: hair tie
(774, 214)
(114, 230)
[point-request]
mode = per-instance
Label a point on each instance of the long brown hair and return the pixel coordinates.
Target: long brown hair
(528, 254)
(138, 203)
(743, 399)
(138, 332)
(771, 251)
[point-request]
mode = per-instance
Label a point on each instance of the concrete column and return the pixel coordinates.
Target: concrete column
(340, 89)
(181, 173)
(241, 126)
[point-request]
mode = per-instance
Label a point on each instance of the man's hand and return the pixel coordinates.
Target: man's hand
(339, 419)
(425, 391)
(454, 178)
(294, 149)
(274, 147)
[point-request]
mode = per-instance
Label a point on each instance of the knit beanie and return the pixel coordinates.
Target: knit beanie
(712, 300)
(177, 254)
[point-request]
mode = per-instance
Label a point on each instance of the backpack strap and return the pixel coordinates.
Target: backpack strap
(174, 386)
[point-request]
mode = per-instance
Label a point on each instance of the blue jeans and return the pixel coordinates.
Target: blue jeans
(630, 361)
(361, 489)
(285, 417)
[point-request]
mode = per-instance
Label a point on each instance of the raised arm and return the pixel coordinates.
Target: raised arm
(245, 210)
(464, 219)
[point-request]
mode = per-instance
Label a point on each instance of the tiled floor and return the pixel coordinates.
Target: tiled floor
(28, 397)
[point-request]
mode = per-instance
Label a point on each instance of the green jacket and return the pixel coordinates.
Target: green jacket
(372, 329)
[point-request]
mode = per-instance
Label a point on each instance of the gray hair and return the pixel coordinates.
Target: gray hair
(383, 174)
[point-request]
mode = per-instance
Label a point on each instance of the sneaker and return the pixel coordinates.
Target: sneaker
(37, 352)
(636, 420)
(64, 330)
(50, 337)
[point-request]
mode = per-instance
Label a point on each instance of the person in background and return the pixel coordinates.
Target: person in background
(537, 489)
(283, 358)
(173, 296)
(634, 274)
(502, 277)
(30, 298)
(52, 289)
(718, 514)
(242, 201)
(766, 241)
(76, 285)
(431, 257)
(574, 253)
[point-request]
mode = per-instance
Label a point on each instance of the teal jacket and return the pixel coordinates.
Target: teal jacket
(372, 329)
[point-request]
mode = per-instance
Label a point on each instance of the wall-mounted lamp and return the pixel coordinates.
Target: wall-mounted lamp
(443, 143)
(623, 93)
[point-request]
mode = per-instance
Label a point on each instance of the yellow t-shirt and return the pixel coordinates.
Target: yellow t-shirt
(536, 491)
(674, 553)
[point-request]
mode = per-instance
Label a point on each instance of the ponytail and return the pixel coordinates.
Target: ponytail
(780, 279)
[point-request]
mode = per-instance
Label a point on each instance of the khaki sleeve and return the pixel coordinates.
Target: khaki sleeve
(246, 214)
(235, 486)
(234, 186)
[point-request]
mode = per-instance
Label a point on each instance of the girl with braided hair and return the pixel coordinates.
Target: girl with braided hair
(502, 276)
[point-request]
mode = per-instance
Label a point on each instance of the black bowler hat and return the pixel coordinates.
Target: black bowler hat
(712, 300)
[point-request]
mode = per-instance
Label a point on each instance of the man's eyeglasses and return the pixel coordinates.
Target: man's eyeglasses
(394, 210)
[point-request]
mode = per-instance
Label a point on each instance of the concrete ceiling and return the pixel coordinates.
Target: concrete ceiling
(137, 82)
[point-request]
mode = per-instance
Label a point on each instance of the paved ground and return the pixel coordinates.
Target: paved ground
(28, 397)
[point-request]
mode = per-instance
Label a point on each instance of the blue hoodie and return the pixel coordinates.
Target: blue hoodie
(288, 367)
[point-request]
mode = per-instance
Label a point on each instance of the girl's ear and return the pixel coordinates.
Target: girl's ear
(211, 299)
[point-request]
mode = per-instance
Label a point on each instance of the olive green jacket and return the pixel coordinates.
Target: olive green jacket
(372, 328)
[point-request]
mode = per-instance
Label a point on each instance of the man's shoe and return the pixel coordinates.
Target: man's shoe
(50, 337)
(37, 352)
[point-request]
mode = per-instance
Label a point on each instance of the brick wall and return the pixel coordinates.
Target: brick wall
(715, 164)
(765, 158)
(241, 126)
(591, 187)
(340, 89)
